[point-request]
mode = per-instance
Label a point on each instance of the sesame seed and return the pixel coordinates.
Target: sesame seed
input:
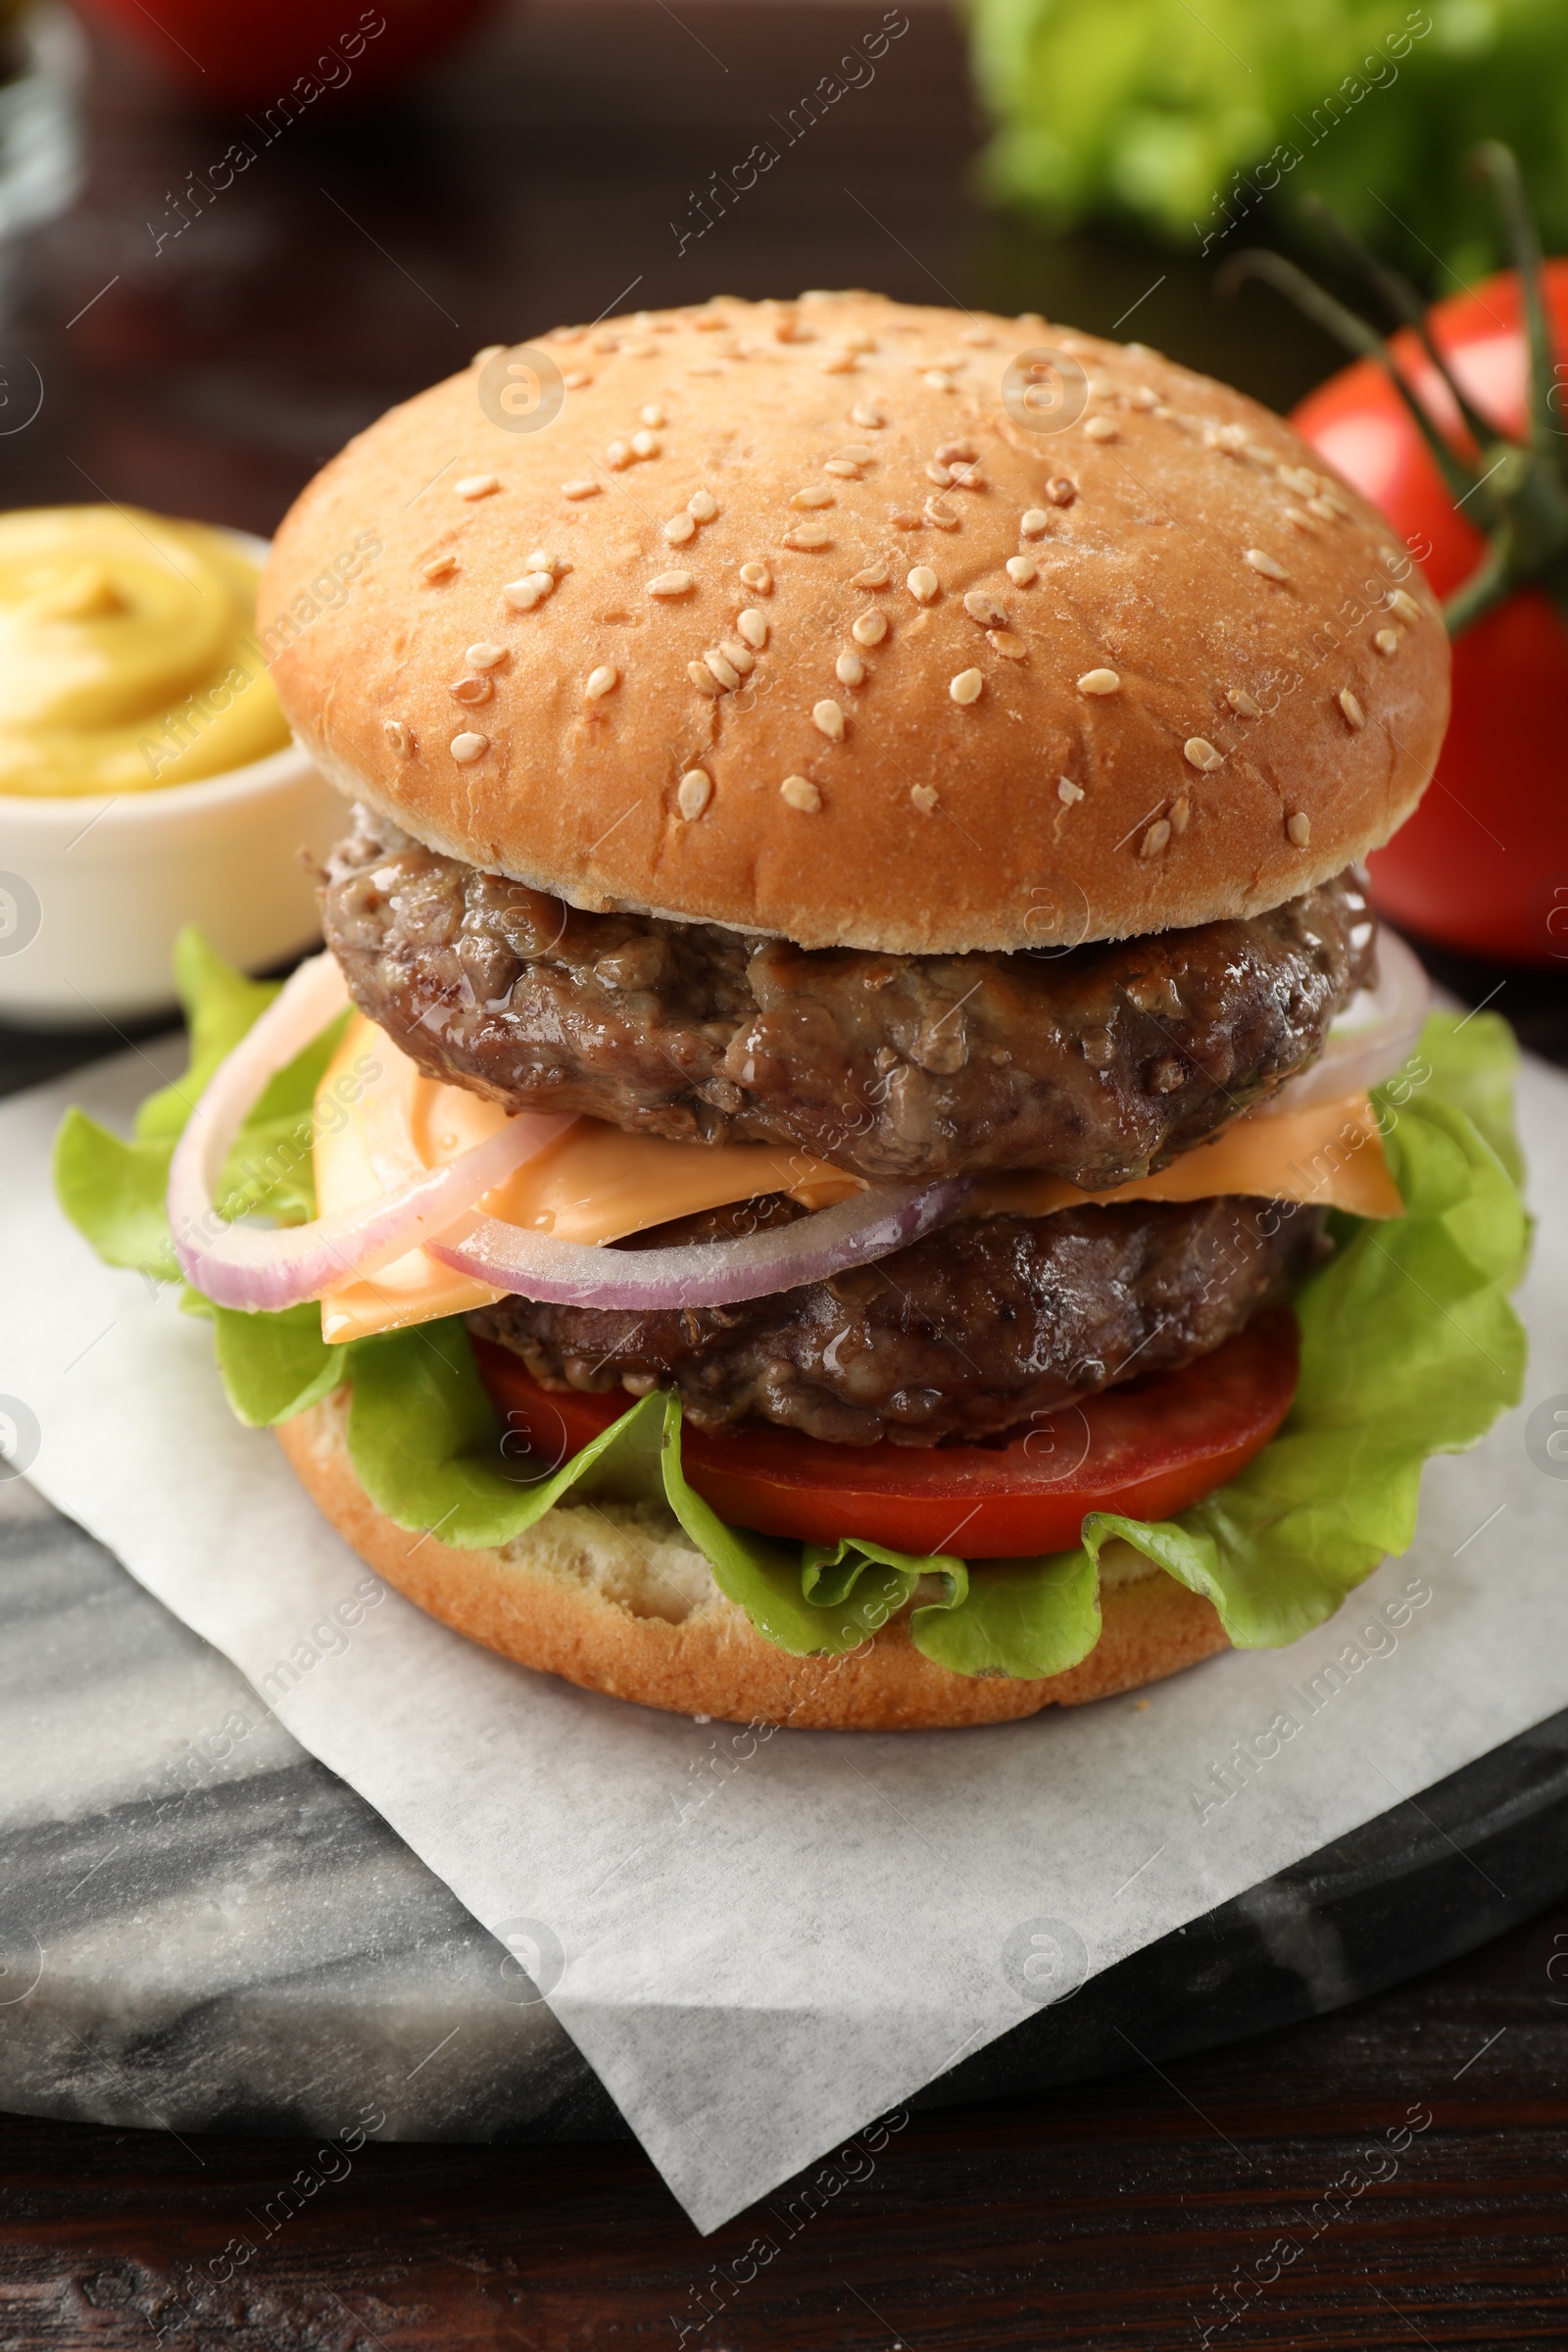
(738, 655)
(485, 656)
(600, 681)
(758, 577)
(1400, 602)
(808, 535)
(438, 567)
(702, 505)
(828, 719)
(671, 583)
(1155, 838)
(801, 793)
(967, 687)
(1099, 387)
(1232, 438)
(1302, 522)
(617, 456)
(477, 485)
(541, 559)
(850, 669)
(753, 627)
(956, 453)
(1180, 815)
(1321, 509)
(838, 363)
(1300, 478)
(815, 494)
(1008, 644)
(937, 379)
(870, 419)
(843, 470)
(521, 596)
(1386, 641)
(679, 528)
(941, 517)
(472, 690)
(924, 797)
(578, 381)
(702, 678)
(646, 445)
(467, 749)
(1067, 791)
(1062, 490)
(859, 340)
(979, 337)
(724, 672)
(1352, 709)
(1034, 524)
(875, 575)
(940, 474)
(922, 583)
(985, 610)
(1244, 702)
(869, 629)
(1141, 397)
(398, 736)
(1101, 429)
(1334, 502)
(1298, 828)
(653, 413)
(486, 351)
(1022, 570)
(1099, 681)
(1199, 752)
(693, 794)
(1264, 563)
(584, 487)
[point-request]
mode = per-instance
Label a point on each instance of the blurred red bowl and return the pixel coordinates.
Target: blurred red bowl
(232, 52)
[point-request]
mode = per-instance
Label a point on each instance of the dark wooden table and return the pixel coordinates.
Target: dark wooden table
(367, 251)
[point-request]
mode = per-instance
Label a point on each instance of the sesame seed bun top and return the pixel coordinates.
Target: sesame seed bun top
(869, 625)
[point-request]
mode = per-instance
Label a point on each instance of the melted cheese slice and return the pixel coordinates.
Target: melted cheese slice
(379, 1120)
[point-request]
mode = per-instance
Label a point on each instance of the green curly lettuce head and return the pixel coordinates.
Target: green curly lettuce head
(1146, 111)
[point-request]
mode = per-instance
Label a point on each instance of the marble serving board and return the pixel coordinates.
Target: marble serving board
(203, 1929)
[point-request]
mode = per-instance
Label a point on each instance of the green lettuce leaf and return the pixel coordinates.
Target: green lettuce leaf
(1409, 1346)
(274, 1366)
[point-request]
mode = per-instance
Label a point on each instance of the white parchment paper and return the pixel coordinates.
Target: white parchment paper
(763, 1942)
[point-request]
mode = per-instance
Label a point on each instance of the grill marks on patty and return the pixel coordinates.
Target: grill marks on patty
(1097, 1064)
(963, 1335)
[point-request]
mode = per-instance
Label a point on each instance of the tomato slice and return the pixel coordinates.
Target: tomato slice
(1149, 1448)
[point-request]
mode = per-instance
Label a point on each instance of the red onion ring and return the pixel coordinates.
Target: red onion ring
(246, 1266)
(1377, 1032)
(867, 1225)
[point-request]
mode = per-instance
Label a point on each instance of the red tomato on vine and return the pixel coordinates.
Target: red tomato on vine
(1458, 430)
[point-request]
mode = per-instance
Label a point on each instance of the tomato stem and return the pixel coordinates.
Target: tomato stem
(1517, 493)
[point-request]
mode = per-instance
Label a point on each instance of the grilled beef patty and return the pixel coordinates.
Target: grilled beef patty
(1097, 1064)
(963, 1335)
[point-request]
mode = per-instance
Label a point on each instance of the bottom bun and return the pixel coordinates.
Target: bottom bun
(617, 1598)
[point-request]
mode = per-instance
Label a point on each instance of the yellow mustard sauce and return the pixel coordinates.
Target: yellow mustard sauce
(127, 653)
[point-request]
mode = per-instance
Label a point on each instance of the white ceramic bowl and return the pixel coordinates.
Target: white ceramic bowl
(93, 890)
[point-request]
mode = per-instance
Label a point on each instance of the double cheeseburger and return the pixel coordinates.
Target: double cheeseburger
(876, 795)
